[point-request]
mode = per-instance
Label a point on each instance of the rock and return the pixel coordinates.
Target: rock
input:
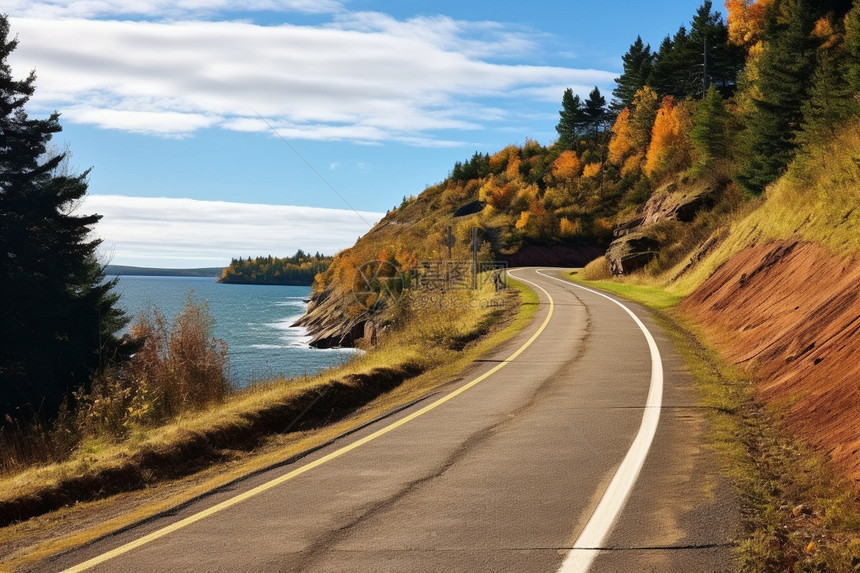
(669, 205)
(631, 252)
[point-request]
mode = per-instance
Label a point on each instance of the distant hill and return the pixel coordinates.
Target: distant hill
(119, 270)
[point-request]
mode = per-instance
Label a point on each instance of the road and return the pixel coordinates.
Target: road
(576, 446)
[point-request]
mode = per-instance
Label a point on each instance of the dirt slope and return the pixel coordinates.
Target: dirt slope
(790, 313)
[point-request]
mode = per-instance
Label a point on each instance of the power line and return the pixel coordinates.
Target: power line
(282, 138)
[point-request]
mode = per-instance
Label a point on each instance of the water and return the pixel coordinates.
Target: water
(254, 321)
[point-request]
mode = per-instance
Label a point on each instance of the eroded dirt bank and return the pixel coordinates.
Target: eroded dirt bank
(789, 312)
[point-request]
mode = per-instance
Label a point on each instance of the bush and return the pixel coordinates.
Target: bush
(179, 367)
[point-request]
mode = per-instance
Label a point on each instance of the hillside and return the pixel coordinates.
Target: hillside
(742, 198)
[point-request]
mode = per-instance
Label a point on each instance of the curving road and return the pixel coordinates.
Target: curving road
(577, 446)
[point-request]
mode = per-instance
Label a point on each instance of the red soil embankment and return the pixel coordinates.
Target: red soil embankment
(789, 313)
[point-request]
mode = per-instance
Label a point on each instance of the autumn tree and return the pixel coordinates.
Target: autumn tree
(566, 168)
(58, 315)
(745, 20)
(669, 150)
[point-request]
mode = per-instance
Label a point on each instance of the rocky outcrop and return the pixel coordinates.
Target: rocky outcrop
(636, 244)
(630, 252)
(329, 323)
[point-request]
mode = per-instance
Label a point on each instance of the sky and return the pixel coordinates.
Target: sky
(217, 129)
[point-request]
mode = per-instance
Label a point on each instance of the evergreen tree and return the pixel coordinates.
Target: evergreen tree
(594, 112)
(831, 99)
(637, 63)
(572, 119)
(785, 66)
(852, 46)
(689, 62)
(709, 132)
(58, 316)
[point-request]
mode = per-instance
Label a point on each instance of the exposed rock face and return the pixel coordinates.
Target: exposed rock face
(634, 247)
(789, 313)
(329, 323)
(630, 252)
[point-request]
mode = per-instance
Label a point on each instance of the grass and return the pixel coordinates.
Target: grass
(413, 345)
(797, 514)
(815, 201)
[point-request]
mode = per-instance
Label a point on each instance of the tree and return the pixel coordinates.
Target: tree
(58, 315)
(669, 150)
(687, 63)
(852, 46)
(572, 120)
(709, 133)
(594, 112)
(637, 63)
(780, 88)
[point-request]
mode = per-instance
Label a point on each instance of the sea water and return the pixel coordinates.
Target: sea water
(254, 320)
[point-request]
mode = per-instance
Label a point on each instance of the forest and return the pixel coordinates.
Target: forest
(299, 269)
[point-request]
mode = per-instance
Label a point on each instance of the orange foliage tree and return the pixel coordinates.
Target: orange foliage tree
(621, 143)
(566, 168)
(670, 150)
(746, 21)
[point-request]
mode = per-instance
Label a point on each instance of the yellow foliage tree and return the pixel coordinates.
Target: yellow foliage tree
(746, 21)
(522, 221)
(670, 150)
(566, 167)
(621, 143)
(568, 228)
(591, 170)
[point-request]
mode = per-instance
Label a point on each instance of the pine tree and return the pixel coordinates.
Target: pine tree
(785, 66)
(637, 63)
(709, 132)
(852, 46)
(572, 120)
(594, 112)
(58, 316)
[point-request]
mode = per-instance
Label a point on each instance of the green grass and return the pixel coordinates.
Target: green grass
(650, 295)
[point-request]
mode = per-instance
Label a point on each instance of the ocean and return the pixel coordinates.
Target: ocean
(254, 321)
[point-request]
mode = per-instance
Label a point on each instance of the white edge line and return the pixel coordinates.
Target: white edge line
(593, 535)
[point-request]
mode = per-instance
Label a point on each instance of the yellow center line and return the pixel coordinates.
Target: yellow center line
(167, 530)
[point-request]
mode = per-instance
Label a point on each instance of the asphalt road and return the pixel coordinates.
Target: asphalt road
(511, 468)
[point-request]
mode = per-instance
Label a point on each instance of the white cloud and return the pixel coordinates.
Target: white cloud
(160, 8)
(364, 77)
(169, 232)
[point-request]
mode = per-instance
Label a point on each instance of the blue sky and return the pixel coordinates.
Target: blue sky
(198, 116)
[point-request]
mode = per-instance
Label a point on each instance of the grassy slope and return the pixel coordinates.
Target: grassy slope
(817, 200)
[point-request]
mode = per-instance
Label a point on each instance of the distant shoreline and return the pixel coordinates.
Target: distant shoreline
(125, 270)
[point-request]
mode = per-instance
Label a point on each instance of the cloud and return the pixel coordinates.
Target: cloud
(361, 77)
(169, 232)
(161, 8)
